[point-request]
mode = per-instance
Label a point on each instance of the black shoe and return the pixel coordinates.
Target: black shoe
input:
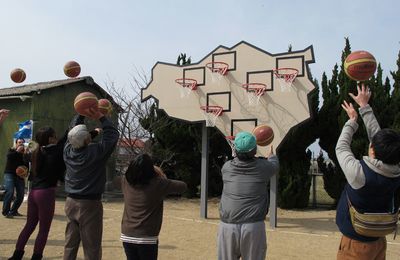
(9, 215)
(18, 254)
(36, 256)
(17, 214)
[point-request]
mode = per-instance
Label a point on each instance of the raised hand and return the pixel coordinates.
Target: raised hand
(270, 152)
(160, 172)
(93, 113)
(351, 112)
(363, 95)
(20, 149)
(3, 114)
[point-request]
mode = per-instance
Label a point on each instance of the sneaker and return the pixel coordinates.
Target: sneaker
(17, 214)
(9, 215)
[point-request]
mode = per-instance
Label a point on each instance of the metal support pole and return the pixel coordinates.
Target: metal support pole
(314, 191)
(204, 172)
(273, 201)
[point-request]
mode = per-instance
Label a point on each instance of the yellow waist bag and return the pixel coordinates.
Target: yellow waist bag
(373, 224)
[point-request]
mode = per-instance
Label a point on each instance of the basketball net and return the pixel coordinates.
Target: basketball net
(231, 141)
(285, 78)
(211, 114)
(254, 95)
(185, 91)
(188, 85)
(216, 77)
(218, 71)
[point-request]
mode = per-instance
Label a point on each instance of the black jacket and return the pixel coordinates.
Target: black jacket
(51, 167)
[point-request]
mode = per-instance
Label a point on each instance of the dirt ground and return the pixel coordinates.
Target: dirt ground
(308, 234)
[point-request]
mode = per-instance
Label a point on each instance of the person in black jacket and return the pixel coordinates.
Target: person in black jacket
(15, 158)
(47, 168)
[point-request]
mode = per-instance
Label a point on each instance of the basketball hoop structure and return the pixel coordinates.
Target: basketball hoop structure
(211, 113)
(187, 86)
(231, 141)
(285, 77)
(254, 92)
(218, 70)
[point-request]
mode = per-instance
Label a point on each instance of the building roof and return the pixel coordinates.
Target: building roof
(135, 142)
(37, 87)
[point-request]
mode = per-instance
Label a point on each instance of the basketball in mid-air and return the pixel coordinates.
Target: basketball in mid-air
(84, 101)
(22, 171)
(360, 65)
(105, 106)
(72, 69)
(18, 75)
(264, 135)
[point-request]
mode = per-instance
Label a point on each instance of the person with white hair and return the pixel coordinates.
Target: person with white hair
(85, 181)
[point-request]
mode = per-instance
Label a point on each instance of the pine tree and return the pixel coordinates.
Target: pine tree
(331, 120)
(395, 97)
(295, 161)
(333, 117)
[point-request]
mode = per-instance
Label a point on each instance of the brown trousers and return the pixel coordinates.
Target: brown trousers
(352, 249)
(85, 222)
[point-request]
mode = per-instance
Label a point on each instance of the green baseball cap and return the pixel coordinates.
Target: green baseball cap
(245, 142)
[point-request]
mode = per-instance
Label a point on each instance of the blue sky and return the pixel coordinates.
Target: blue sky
(110, 38)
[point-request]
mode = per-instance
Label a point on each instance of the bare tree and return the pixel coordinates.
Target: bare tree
(132, 115)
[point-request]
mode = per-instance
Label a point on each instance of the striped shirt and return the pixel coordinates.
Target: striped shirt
(139, 240)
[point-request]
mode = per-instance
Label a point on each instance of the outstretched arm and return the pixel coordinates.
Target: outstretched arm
(350, 165)
(369, 119)
(3, 115)
(273, 159)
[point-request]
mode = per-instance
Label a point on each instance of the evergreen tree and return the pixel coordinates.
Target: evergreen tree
(295, 161)
(182, 61)
(333, 117)
(395, 97)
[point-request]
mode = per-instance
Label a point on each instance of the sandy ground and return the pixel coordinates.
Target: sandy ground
(309, 234)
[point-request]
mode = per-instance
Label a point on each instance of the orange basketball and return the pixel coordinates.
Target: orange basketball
(264, 135)
(105, 106)
(22, 171)
(360, 65)
(84, 101)
(18, 75)
(72, 69)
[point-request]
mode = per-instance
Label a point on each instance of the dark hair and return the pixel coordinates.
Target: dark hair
(386, 145)
(42, 138)
(16, 140)
(246, 156)
(140, 170)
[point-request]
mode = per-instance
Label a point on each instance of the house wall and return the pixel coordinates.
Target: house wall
(20, 112)
(49, 107)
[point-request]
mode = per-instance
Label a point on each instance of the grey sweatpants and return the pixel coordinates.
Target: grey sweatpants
(85, 223)
(247, 240)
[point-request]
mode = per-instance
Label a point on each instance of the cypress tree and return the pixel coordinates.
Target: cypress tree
(295, 159)
(331, 120)
(333, 117)
(395, 97)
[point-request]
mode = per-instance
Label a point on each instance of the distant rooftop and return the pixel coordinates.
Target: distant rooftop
(32, 88)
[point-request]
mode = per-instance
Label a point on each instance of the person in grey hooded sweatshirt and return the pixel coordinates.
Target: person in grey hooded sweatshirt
(371, 180)
(244, 201)
(85, 180)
